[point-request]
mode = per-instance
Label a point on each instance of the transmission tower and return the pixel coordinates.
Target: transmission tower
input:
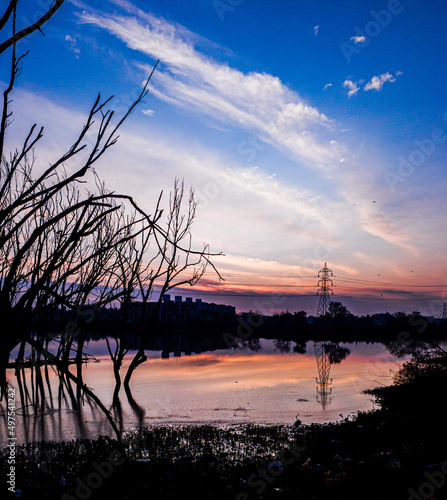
(324, 290)
(444, 311)
(324, 367)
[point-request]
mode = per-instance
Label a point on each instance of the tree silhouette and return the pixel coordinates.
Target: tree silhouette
(337, 311)
(336, 353)
(66, 242)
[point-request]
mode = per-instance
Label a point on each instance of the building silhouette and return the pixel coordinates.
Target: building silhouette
(179, 311)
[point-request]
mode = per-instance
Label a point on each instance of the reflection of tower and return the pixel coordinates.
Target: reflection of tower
(325, 290)
(444, 311)
(324, 367)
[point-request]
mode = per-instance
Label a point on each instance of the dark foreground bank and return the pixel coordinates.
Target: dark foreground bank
(397, 452)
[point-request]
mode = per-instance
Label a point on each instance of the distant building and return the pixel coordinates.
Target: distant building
(181, 312)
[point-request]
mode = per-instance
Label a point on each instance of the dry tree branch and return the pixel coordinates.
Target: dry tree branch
(30, 29)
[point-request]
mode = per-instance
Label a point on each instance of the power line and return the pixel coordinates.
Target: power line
(391, 290)
(236, 294)
(295, 276)
(355, 280)
(342, 278)
(267, 275)
(229, 283)
(263, 284)
(297, 296)
(223, 273)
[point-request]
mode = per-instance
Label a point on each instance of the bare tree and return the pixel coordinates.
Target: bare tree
(11, 12)
(66, 245)
(173, 263)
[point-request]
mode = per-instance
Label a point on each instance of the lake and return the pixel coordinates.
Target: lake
(267, 384)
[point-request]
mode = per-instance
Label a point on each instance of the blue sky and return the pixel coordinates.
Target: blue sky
(305, 142)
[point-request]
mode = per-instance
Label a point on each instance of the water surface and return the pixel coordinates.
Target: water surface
(219, 387)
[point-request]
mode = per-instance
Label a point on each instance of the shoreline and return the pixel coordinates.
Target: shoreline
(241, 462)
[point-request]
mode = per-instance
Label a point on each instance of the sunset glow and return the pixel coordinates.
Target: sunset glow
(306, 139)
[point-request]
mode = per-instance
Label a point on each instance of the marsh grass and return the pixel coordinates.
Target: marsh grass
(230, 445)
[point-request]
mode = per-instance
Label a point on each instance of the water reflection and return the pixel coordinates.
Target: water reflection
(327, 353)
(45, 395)
(191, 380)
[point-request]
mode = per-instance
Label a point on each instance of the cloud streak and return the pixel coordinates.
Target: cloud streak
(269, 212)
(262, 104)
(193, 81)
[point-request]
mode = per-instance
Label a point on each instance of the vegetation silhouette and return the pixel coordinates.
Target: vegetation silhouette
(69, 244)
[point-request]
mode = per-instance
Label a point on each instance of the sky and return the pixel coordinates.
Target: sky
(311, 132)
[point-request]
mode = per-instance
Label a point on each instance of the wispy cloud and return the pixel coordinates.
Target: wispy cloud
(377, 82)
(309, 224)
(327, 86)
(272, 209)
(191, 80)
(352, 86)
(316, 28)
(73, 45)
(262, 104)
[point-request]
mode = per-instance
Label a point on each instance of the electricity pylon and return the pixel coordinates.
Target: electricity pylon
(325, 290)
(324, 367)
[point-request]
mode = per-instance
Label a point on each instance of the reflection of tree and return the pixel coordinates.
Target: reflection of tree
(42, 410)
(171, 263)
(117, 411)
(251, 344)
(117, 355)
(282, 346)
(66, 378)
(139, 411)
(69, 247)
(408, 347)
(299, 347)
(66, 252)
(336, 353)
